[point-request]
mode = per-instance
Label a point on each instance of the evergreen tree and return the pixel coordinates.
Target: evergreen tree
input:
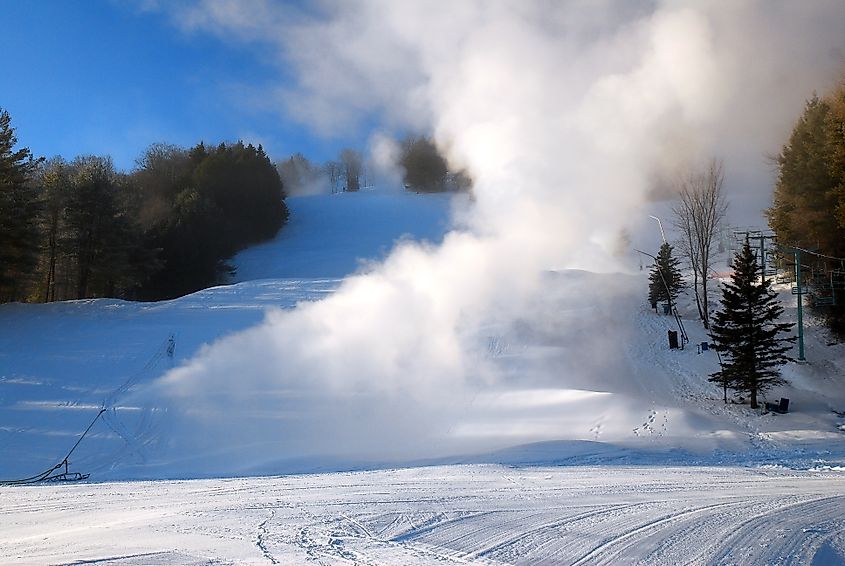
(805, 199)
(425, 168)
(809, 197)
(201, 206)
(745, 332)
(54, 179)
(100, 233)
(302, 177)
(20, 206)
(835, 126)
(665, 281)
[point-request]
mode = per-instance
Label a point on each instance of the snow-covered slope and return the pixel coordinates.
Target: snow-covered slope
(586, 382)
(330, 235)
(587, 375)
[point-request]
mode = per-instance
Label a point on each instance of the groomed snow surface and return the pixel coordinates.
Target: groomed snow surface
(438, 515)
(599, 445)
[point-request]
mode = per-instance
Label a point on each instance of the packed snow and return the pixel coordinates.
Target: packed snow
(439, 515)
(589, 386)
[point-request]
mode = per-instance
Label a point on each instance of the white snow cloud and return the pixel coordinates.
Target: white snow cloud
(563, 113)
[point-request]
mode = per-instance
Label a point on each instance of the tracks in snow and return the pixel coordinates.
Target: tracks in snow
(447, 515)
(261, 538)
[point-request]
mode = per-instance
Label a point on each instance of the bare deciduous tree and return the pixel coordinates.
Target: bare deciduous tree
(352, 163)
(698, 215)
(302, 177)
(333, 172)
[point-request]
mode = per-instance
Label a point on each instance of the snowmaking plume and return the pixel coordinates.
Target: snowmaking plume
(563, 113)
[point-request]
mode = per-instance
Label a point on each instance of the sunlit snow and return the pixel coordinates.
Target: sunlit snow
(585, 378)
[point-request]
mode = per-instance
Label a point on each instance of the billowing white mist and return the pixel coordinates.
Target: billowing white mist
(564, 113)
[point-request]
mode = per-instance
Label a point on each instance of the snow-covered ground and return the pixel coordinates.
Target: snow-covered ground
(586, 379)
(439, 515)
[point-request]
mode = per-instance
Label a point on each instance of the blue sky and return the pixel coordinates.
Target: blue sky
(105, 78)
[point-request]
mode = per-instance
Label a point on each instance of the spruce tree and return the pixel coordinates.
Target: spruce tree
(665, 281)
(20, 206)
(425, 168)
(745, 332)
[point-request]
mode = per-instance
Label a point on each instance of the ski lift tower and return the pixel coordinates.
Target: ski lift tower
(761, 236)
(799, 291)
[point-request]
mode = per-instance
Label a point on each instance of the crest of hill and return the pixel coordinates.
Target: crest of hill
(331, 235)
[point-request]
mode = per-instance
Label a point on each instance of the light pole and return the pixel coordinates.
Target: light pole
(662, 234)
(674, 311)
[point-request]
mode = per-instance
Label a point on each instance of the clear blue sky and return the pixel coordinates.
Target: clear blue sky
(102, 77)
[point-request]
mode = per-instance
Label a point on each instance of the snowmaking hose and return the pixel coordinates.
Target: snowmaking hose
(47, 475)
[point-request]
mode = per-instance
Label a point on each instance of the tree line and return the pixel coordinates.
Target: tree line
(302, 176)
(81, 229)
(424, 169)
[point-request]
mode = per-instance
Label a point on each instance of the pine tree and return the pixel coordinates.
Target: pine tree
(803, 209)
(665, 279)
(425, 168)
(201, 206)
(808, 208)
(100, 235)
(745, 332)
(20, 206)
(54, 180)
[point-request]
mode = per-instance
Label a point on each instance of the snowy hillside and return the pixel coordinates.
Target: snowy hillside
(588, 376)
(61, 362)
(585, 383)
(329, 235)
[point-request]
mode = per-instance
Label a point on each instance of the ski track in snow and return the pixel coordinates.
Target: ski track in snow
(474, 514)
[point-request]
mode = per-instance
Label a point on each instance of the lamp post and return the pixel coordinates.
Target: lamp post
(674, 311)
(662, 234)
